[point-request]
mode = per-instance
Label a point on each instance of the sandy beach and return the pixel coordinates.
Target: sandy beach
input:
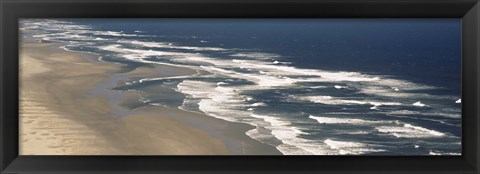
(66, 109)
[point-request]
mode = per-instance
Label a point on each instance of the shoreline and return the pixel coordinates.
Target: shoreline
(65, 110)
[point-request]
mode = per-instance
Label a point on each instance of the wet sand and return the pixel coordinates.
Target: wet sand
(65, 111)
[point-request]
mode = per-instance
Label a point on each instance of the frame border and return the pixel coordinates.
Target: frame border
(12, 10)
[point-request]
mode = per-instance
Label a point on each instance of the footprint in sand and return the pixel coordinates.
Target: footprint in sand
(33, 133)
(45, 134)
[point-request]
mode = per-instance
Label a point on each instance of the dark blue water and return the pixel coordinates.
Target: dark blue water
(310, 86)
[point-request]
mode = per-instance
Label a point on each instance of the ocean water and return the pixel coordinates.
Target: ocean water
(309, 86)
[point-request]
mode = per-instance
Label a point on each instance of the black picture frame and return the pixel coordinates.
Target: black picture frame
(12, 10)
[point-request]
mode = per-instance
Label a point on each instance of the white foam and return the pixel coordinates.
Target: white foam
(139, 55)
(404, 112)
(419, 104)
(259, 104)
(284, 63)
(458, 101)
(441, 113)
(350, 148)
(432, 132)
(317, 87)
(375, 107)
(330, 120)
(357, 132)
(320, 75)
(261, 136)
(156, 104)
(218, 101)
(261, 80)
(170, 45)
(292, 144)
(329, 100)
(439, 153)
(255, 55)
(113, 33)
(409, 131)
(384, 90)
